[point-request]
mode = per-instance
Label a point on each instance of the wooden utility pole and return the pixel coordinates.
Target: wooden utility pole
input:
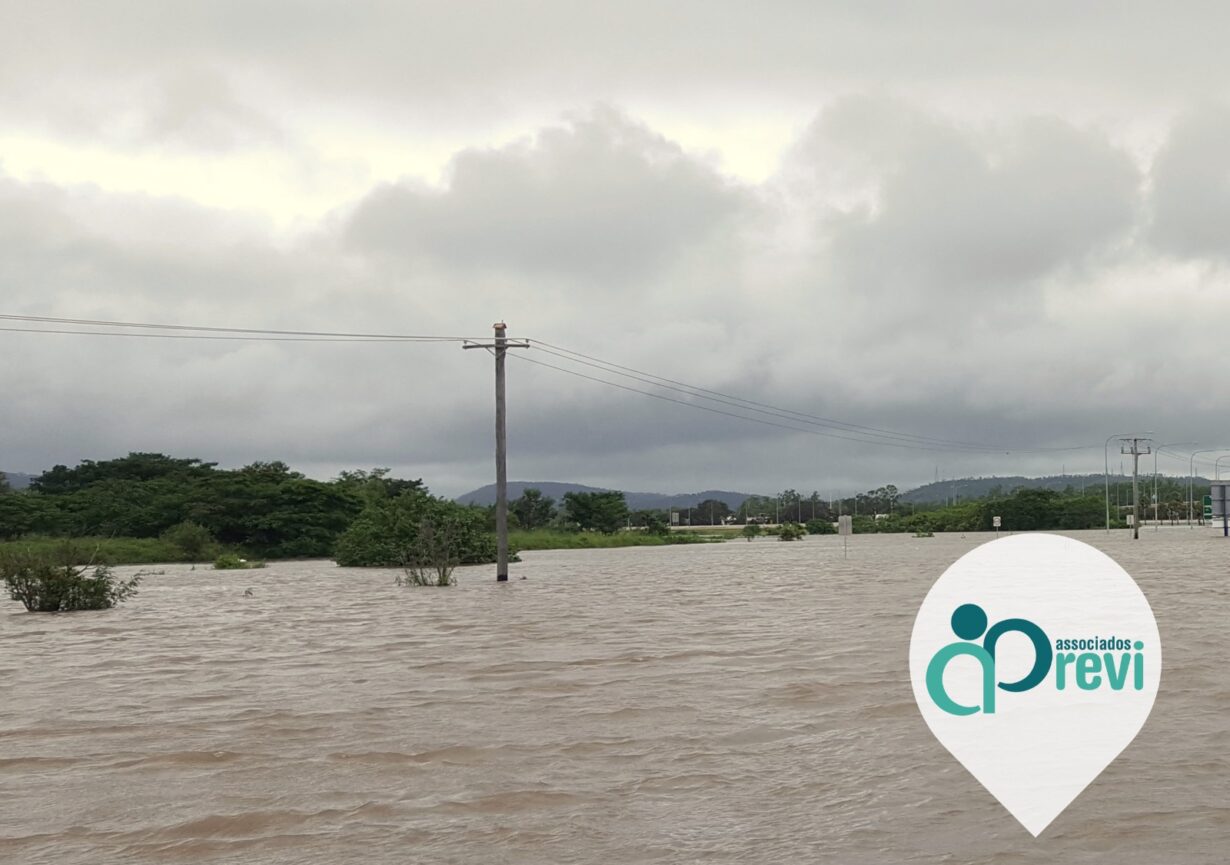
(1136, 453)
(499, 349)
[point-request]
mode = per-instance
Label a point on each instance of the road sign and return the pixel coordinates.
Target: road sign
(845, 525)
(1208, 507)
(997, 521)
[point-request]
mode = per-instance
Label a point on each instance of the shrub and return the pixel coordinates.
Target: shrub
(791, 532)
(232, 562)
(416, 530)
(53, 583)
(752, 530)
(193, 540)
(820, 527)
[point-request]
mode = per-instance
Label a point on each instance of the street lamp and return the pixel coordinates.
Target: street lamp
(1157, 522)
(1216, 467)
(1191, 478)
(1106, 469)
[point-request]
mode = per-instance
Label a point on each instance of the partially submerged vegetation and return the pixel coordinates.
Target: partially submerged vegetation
(146, 508)
(232, 562)
(54, 582)
(556, 539)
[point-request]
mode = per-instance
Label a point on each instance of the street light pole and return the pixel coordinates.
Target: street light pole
(1217, 466)
(1157, 504)
(1191, 479)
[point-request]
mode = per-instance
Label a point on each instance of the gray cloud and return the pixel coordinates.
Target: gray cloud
(955, 212)
(496, 57)
(599, 198)
(968, 253)
(1191, 187)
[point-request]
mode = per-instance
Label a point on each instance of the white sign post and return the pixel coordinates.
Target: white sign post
(845, 528)
(997, 522)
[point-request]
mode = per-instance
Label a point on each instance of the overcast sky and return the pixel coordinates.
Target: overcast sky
(1004, 226)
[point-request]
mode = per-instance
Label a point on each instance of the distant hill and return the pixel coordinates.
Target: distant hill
(18, 481)
(636, 501)
(974, 488)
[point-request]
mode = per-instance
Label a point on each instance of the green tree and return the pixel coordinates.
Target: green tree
(275, 513)
(416, 530)
(533, 510)
(710, 512)
(604, 511)
(134, 467)
(191, 539)
(752, 530)
(22, 513)
(370, 486)
(820, 527)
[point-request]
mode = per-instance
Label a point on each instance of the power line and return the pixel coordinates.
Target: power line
(876, 433)
(91, 322)
(795, 421)
(663, 397)
(197, 336)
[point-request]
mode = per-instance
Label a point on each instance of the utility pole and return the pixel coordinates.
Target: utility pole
(1136, 453)
(500, 349)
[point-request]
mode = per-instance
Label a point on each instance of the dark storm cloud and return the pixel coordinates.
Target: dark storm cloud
(972, 255)
(600, 198)
(956, 211)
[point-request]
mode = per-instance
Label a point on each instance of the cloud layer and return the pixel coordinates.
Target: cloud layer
(922, 259)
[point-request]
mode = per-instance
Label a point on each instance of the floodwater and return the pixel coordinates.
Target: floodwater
(741, 702)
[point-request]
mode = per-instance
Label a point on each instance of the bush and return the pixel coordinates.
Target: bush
(193, 540)
(791, 532)
(52, 584)
(752, 530)
(416, 530)
(232, 562)
(820, 527)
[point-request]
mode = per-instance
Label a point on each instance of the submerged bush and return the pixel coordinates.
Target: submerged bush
(416, 530)
(54, 583)
(791, 532)
(193, 540)
(818, 526)
(752, 530)
(232, 562)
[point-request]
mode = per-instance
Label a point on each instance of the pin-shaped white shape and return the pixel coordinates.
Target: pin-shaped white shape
(1041, 745)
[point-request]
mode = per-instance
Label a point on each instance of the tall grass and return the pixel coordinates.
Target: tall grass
(104, 551)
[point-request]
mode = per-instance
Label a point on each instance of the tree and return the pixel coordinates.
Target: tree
(191, 539)
(417, 530)
(533, 510)
(820, 527)
(134, 467)
(4, 484)
(710, 512)
(22, 513)
(374, 485)
(752, 530)
(604, 512)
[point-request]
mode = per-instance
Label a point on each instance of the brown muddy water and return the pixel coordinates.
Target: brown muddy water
(742, 702)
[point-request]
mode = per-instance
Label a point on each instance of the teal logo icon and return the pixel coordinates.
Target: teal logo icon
(1035, 659)
(969, 622)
